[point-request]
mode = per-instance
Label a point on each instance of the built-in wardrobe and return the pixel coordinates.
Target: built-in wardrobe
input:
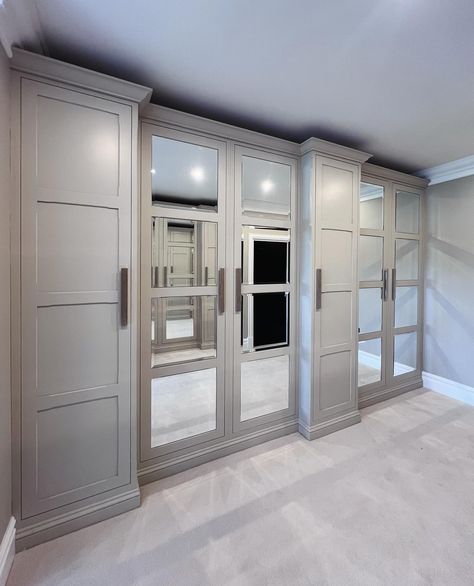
(182, 289)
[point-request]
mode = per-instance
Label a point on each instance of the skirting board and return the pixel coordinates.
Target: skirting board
(155, 472)
(385, 394)
(7, 551)
(330, 426)
(42, 531)
(447, 387)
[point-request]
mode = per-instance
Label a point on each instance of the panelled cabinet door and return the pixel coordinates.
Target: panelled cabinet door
(335, 282)
(75, 239)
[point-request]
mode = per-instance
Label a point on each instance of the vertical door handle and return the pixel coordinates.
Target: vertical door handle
(385, 284)
(221, 291)
(238, 290)
(394, 284)
(206, 276)
(165, 276)
(319, 285)
(124, 297)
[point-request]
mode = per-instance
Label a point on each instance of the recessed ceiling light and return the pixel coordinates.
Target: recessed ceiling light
(267, 186)
(197, 173)
(152, 171)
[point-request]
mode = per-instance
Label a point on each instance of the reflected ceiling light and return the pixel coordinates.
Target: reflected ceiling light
(197, 173)
(267, 186)
(152, 171)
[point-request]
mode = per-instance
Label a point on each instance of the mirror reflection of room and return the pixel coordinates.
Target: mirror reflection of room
(183, 255)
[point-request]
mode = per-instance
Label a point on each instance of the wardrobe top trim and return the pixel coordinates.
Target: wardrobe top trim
(323, 147)
(383, 173)
(31, 63)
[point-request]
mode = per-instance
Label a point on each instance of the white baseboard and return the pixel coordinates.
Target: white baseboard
(447, 387)
(7, 551)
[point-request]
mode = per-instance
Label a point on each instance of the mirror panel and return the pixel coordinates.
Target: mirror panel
(370, 258)
(406, 307)
(183, 174)
(405, 352)
(266, 187)
(370, 310)
(265, 255)
(264, 386)
(183, 329)
(406, 259)
(184, 253)
(371, 206)
(264, 321)
(407, 212)
(370, 362)
(182, 405)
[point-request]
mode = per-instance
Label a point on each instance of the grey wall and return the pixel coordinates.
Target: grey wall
(449, 273)
(5, 394)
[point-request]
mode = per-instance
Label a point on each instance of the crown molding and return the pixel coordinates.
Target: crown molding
(449, 171)
(34, 64)
(332, 149)
(20, 25)
(397, 176)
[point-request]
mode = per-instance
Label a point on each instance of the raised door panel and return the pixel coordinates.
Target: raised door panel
(75, 226)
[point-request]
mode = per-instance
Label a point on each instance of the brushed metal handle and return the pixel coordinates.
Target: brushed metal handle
(221, 291)
(319, 284)
(165, 276)
(206, 276)
(394, 284)
(385, 284)
(238, 290)
(124, 296)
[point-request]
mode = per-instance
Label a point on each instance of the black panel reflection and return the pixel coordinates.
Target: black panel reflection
(270, 323)
(270, 262)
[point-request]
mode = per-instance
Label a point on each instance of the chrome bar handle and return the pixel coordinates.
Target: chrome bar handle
(221, 291)
(238, 290)
(319, 285)
(394, 284)
(385, 284)
(124, 297)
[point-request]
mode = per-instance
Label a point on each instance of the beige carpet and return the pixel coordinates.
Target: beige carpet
(388, 501)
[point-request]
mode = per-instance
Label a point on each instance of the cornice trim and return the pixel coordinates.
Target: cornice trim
(397, 176)
(449, 171)
(34, 64)
(332, 149)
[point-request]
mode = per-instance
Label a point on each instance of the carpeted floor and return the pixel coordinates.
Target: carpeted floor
(388, 501)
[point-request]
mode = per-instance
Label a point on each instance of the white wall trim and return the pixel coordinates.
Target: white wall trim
(449, 171)
(7, 551)
(448, 387)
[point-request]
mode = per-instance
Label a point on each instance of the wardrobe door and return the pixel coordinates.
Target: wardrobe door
(75, 239)
(336, 239)
(406, 285)
(182, 291)
(265, 287)
(374, 294)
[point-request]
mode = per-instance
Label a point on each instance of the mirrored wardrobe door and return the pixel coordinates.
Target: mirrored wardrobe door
(406, 283)
(183, 256)
(264, 324)
(374, 260)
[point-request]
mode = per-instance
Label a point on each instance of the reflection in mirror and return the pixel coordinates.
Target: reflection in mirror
(182, 405)
(183, 252)
(265, 255)
(371, 206)
(266, 187)
(370, 362)
(264, 386)
(406, 259)
(264, 321)
(370, 258)
(370, 310)
(406, 307)
(407, 212)
(404, 353)
(183, 329)
(183, 174)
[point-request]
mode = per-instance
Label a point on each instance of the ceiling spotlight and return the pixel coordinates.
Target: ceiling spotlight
(197, 173)
(267, 186)
(152, 171)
